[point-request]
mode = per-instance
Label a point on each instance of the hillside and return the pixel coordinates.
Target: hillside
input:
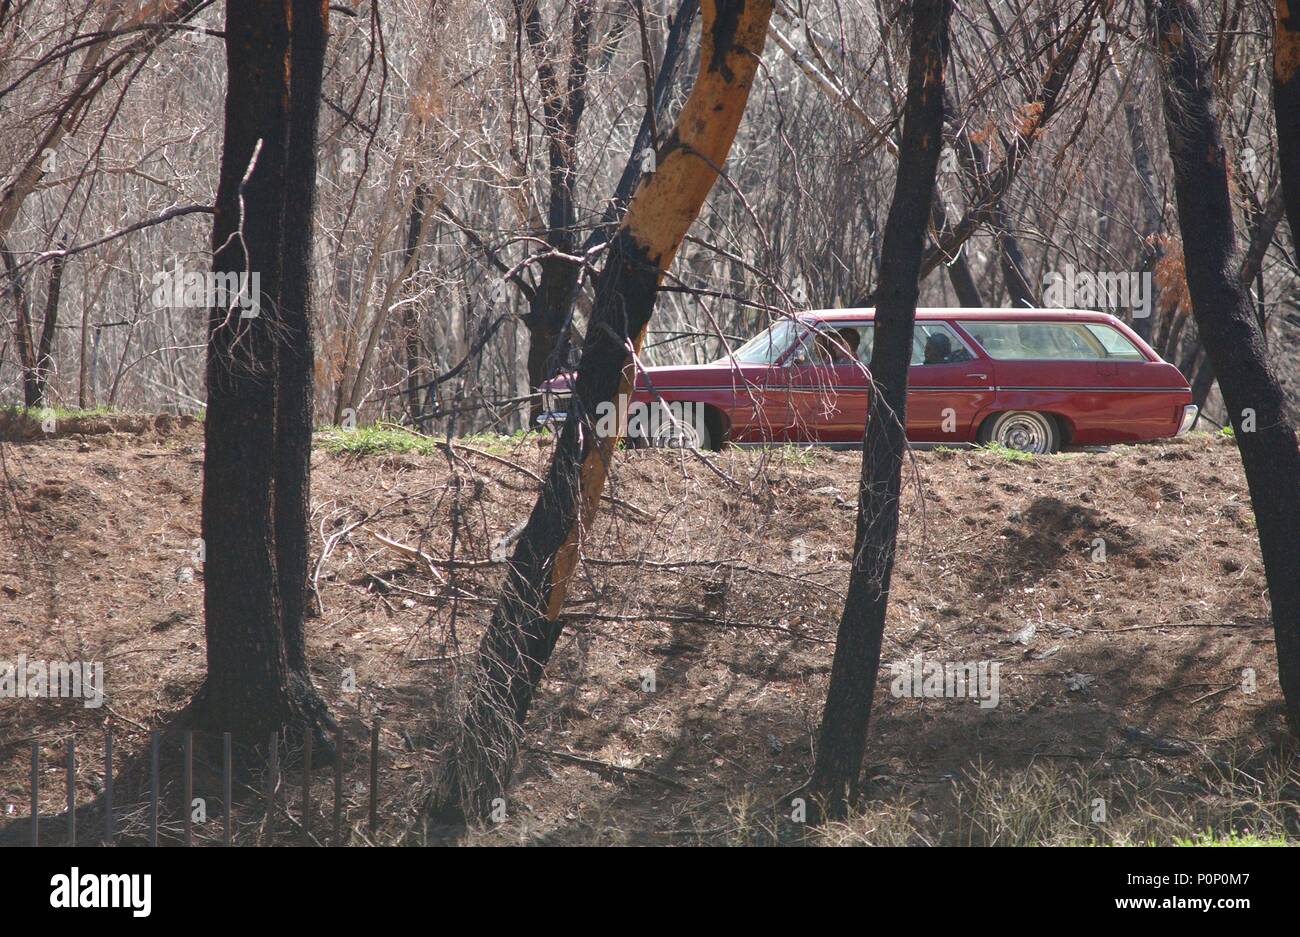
(1121, 678)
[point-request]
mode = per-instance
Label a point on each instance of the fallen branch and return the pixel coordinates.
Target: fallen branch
(606, 768)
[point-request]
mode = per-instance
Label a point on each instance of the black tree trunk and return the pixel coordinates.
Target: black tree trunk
(309, 31)
(258, 424)
(525, 624)
(1286, 106)
(1226, 321)
(842, 738)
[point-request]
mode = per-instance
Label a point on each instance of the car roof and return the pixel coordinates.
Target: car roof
(961, 312)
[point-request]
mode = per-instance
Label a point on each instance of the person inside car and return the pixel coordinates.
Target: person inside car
(838, 347)
(939, 350)
(846, 346)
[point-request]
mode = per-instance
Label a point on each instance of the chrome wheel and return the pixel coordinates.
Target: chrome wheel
(681, 434)
(1025, 431)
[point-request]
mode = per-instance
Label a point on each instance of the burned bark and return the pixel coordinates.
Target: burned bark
(525, 625)
(50, 321)
(35, 355)
(24, 344)
(1286, 105)
(562, 109)
(1226, 322)
(296, 393)
(842, 737)
(258, 424)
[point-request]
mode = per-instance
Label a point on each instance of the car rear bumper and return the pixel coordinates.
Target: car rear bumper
(1189, 419)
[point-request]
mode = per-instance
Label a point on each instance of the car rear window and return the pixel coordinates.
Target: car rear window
(1115, 342)
(1062, 341)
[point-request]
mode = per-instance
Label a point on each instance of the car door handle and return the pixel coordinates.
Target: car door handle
(982, 377)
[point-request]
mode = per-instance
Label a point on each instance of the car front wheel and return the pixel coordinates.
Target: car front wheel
(1024, 431)
(683, 435)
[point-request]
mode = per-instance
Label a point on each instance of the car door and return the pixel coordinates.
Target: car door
(831, 401)
(947, 391)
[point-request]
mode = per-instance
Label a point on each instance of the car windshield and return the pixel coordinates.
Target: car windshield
(769, 345)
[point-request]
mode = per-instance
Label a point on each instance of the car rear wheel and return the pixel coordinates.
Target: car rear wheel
(1024, 431)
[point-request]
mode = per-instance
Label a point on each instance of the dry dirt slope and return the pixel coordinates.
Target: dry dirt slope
(701, 628)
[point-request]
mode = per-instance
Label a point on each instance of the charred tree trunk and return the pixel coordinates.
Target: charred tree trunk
(562, 110)
(842, 738)
(24, 344)
(410, 318)
(679, 31)
(525, 625)
(35, 356)
(1227, 324)
(44, 365)
(963, 283)
(1286, 105)
(258, 425)
(308, 34)
(1151, 213)
(959, 272)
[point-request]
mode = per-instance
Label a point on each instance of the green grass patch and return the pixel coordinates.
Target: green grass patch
(1209, 838)
(1005, 452)
(389, 438)
(56, 413)
(376, 439)
(796, 455)
(496, 443)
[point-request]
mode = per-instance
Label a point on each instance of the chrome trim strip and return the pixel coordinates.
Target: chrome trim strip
(805, 388)
(1098, 390)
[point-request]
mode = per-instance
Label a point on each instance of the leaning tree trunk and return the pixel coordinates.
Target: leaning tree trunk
(1286, 106)
(525, 625)
(842, 738)
(257, 428)
(1228, 327)
(675, 44)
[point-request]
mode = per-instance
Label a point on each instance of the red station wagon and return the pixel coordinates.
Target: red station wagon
(1031, 379)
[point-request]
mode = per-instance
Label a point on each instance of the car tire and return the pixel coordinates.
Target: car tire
(1023, 430)
(693, 437)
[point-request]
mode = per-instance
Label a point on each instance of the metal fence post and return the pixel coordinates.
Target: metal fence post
(188, 769)
(72, 790)
(338, 785)
(226, 784)
(306, 788)
(36, 799)
(272, 772)
(108, 785)
(154, 744)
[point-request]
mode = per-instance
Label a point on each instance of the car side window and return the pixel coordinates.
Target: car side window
(1060, 341)
(936, 343)
(833, 342)
(1117, 345)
